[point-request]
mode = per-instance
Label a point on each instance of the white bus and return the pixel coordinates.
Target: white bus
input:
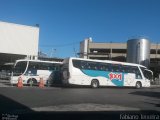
(95, 73)
(32, 70)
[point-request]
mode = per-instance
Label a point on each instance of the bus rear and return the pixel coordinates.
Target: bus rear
(65, 71)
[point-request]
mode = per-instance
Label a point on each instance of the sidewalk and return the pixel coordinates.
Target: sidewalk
(155, 86)
(4, 83)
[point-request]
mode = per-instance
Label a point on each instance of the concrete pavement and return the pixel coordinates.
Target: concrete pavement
(6, 83)
(61, 103)
(85, 107)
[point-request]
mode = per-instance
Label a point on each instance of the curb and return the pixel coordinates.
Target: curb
(155, 86)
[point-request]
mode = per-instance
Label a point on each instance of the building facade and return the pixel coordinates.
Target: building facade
(17, 42)
(116, 52)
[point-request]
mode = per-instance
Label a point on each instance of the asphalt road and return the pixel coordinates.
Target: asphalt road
(69, 103)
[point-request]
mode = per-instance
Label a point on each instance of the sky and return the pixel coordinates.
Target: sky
(65, 23)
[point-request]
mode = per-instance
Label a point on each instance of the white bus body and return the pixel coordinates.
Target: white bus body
(32, 70)
(78, 71)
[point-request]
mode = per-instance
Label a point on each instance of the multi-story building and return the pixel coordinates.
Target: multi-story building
(116, 51)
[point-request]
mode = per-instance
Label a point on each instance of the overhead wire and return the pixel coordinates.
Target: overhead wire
(59, 45)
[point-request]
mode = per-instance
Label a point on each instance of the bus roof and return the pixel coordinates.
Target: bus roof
(39, 61)
(108, 61)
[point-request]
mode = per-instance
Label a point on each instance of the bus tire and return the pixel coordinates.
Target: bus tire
(32, 80)
(138, 85)
(95, 83)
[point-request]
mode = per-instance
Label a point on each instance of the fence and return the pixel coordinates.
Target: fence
(156, 81)
(5, 75)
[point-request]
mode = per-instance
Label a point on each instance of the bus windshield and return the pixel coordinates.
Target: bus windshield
(19, 68)
(147, 73)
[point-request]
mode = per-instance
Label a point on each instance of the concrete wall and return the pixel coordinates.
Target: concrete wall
(18, 39)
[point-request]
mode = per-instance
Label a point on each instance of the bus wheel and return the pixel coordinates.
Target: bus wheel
(138, 85)
(32, 81)
(94, 84)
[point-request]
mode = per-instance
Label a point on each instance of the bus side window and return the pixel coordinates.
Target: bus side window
(107, 67)
(84, 65)
(54, 68)
(119, 68)
(115, 68)
(89, 65)
(122, 69)
(135, 70)
(101, 67)
(92, 66)
(130, 69)
(95, 66)
(110, 67)
(138, 74)
(76, 63)
(126, 69)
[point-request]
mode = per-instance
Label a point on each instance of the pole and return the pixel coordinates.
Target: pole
(111, 50)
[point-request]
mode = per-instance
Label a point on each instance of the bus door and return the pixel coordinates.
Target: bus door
(136, 71)
(133, 76)
(129, 75)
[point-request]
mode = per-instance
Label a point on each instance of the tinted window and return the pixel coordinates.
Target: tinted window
(42, 66)
(76, 63)
(104, 67)
(115, 68)
(147, 74)
(19, 68)
(131, 69)
(84, 65)
(93, 65)
(137, 72)
(125, 68)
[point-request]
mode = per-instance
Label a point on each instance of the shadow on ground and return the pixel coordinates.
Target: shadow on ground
(149, 94)
(10, 109)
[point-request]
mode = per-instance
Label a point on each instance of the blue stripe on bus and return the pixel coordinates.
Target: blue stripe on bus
(117, 78)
